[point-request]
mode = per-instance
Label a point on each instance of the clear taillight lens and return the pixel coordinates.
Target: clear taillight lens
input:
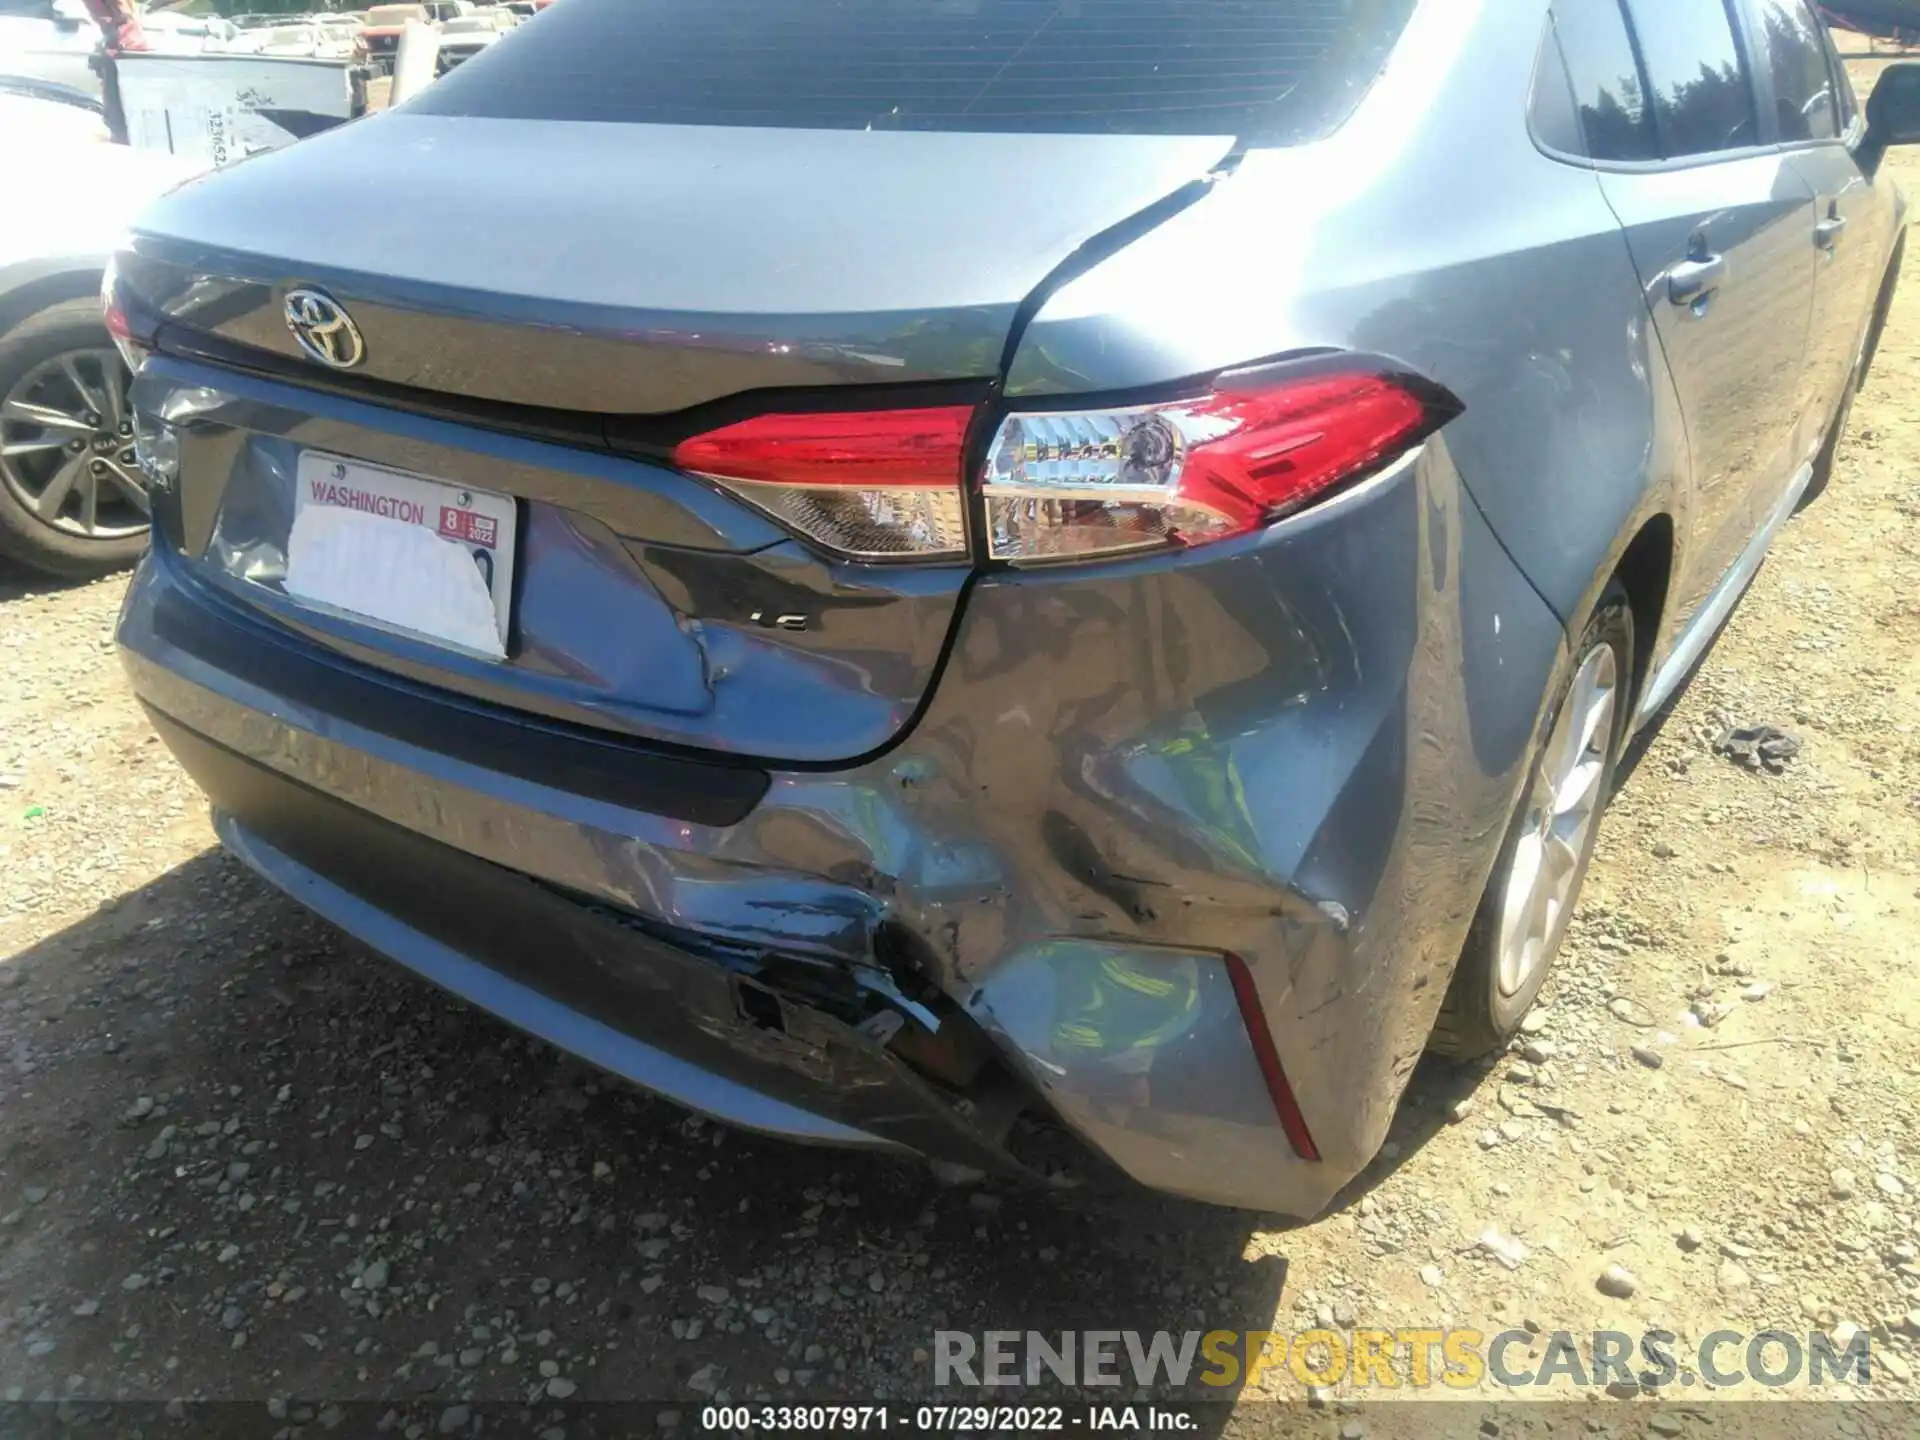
(871, 484)
(1069, 484)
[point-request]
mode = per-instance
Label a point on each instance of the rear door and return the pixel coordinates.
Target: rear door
(1720, 228)
(1821, 128)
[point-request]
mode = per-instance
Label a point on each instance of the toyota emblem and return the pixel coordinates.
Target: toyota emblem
(325, 331)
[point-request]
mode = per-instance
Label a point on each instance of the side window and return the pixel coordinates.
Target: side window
(1842, 82)
(1607, 90)
(1550, 113)
(1702, 98)
(1803, 88)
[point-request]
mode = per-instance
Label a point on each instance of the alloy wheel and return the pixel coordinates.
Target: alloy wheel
(66, 446)
(1563, 805)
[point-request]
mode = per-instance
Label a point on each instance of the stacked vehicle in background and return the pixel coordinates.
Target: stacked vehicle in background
(380, 36)
(466, 36)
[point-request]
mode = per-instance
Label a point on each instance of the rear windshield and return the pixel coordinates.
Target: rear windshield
(1270, 72)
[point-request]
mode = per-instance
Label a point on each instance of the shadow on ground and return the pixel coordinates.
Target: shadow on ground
(220, 1111)
(216, 1112)
(17, 582)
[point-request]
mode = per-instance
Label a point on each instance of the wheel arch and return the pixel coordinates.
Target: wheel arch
(1645, 570)
(26, 293)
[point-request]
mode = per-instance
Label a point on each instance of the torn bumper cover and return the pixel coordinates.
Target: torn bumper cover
(573, 974)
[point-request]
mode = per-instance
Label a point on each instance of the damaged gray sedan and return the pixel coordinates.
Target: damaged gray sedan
(937, 579)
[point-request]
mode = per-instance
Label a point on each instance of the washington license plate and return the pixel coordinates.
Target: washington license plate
(422, 556)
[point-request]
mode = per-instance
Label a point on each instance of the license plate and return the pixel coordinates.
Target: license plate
(411, 554)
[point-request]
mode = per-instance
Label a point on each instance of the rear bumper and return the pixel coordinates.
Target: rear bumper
(568, 972)
(1302, 753)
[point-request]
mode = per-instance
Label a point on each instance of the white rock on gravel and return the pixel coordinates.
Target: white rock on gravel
(1617, 1282)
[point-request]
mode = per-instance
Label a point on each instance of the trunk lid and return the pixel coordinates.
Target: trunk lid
(540, 302)
(639, 269)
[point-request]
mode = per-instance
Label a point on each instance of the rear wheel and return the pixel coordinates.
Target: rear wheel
(1536, 879)
(71, 501)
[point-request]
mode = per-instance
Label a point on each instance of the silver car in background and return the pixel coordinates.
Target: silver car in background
(71, 499)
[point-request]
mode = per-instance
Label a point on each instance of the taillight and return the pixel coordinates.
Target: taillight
(131, 350)
(1077, 484)
(871, 484)
(1064, 485)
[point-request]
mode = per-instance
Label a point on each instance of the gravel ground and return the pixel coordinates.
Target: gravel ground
(243, 1158)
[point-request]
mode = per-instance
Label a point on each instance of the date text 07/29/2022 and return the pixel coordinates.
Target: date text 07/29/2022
(966, 1419)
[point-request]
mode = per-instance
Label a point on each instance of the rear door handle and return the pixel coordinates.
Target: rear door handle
(1828, 232)
(1694, 279)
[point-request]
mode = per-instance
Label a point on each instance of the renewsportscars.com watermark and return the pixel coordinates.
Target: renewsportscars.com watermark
(1395, 1359)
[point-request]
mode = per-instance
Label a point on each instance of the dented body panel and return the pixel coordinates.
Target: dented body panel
(911, 857)
(1129, 756)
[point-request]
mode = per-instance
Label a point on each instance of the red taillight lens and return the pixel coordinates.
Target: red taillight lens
(1077, 484)
(1072, 484)
(873, 484)
(1253, 1014)
(131, 350)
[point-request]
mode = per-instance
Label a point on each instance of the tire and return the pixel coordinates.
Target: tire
(71, 330)
(1482, 1011)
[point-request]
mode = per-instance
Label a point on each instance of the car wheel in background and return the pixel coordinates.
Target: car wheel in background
(1536, 880)
(71, 500)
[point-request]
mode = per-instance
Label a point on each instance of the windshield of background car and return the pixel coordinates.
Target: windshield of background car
(1271, 72)
(395, 14)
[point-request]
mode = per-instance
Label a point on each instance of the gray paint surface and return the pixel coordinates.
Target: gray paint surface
(1302, 747)
(649, 268)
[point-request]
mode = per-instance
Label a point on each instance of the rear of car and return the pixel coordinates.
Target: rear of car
(289, 41)
(918, 585)
(380, 34)
(466, 36)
